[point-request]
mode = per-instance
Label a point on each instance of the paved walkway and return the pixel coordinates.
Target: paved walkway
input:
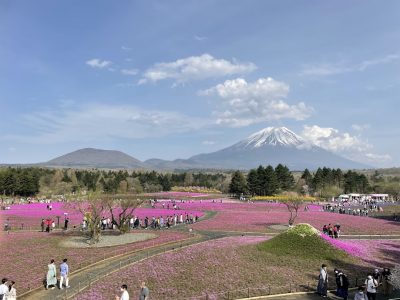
(331, 296)
(87, 276)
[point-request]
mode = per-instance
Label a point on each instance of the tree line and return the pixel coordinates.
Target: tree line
(324, 182)
(30, 181)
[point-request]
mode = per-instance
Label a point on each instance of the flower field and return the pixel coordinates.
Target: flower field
(214, 267)
(25, 255)
(31, 214)
(380, 253)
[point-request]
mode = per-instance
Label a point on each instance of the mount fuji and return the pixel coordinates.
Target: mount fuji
(270, 146)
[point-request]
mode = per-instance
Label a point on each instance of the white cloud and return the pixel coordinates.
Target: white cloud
(327, 69)
(343, 143)
(130, 72)
(195, 68)
(98, 63)
(200, 38)
(208, 143)
(360, 127)
(244, 103)
(124, 48)
(94, 122)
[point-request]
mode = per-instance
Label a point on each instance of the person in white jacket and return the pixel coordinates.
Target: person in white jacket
(12, 292)
(371, 285)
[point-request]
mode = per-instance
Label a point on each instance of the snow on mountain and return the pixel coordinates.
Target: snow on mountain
(275, 136)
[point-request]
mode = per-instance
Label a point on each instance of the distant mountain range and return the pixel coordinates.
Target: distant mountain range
(268, 146)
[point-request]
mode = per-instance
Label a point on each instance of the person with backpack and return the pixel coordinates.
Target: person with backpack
(343, 287)
(371, 285)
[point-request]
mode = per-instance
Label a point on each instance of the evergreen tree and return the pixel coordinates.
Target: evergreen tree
(270, 182)
(284, 177)
(238, 185)
(307, 177)
(252, 182)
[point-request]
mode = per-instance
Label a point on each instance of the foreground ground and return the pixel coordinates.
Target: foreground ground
(213, 267)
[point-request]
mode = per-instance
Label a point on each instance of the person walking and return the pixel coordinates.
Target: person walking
(144, 292)
(64, 272)
(51, 277)
(343, 285)
(66, 224)
(322, 288)
(3, 288)
(386, 285)
(42, 225)
(124, 293)
(12, 292)
(371, 285)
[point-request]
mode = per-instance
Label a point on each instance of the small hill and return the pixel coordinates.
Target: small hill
(96, 158)
(302, 241)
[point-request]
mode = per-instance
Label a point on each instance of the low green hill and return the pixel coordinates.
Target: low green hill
(302, 241)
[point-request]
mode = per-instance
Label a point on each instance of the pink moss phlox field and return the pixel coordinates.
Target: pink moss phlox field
(378, 253)
(25, 255)
(349, 247)
(163, 273)
(31, 214)
(178, 194)
(257, 217)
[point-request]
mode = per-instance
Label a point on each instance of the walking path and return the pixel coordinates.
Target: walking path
(87, 276)
(83, 278)
(314, 296)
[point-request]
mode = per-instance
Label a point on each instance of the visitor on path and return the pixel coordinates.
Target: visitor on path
(144, 292)
(124, 293)
(66, 224)
(322, 288)
(343, 290)
(371, 286)
(51, 277)
(360, 295)
(386, 285)
(64, 272)
(377, 276)
(42, 225)
(11, 294)
(3, 288)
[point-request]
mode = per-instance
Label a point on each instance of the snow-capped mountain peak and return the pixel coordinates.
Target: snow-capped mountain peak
(274, 136)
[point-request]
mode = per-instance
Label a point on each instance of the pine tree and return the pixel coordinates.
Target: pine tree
(238, 185)
(252, 182)
(270, 182)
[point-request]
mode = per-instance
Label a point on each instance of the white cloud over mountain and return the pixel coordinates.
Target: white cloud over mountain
(343, 143)
(195, 68)
(243, 103)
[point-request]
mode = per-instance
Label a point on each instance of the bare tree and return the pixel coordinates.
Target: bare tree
(92, 211)
(293, 204)
(121, 210)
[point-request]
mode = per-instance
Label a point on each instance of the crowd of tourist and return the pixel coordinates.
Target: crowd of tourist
(376, 281)
(363, 210)
(332, 231)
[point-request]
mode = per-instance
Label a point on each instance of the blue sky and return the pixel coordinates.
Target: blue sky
(170, 79)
